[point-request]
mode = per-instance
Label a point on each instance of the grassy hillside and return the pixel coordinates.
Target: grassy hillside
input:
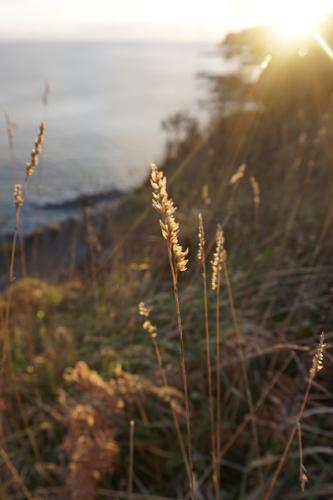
(81, 366)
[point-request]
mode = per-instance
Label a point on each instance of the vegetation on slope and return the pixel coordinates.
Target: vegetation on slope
(82, 367)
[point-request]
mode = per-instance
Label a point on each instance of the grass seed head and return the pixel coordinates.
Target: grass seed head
(147, 324)
(169, 226)
(219, 257)
(236, 177)
(318, 357)
(150, 328)
(201, 240)
(18, 195)
(143, 310)
(256, 191)
(36, 152)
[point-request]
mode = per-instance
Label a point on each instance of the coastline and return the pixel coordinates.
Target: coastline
(60, 249)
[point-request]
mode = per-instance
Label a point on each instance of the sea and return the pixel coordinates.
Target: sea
(103, 104)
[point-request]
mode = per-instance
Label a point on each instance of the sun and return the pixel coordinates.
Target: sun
(294, 19)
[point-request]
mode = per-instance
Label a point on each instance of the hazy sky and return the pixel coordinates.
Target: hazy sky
(135, 19)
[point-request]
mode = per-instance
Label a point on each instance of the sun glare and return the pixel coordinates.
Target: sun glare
(293, 19)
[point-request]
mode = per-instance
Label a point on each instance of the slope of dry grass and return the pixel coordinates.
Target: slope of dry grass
(56, 409)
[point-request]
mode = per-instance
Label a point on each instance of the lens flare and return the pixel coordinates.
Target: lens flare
(294, 19)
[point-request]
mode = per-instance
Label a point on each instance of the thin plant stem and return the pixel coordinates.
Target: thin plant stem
(172, 409)
(218, 382)
(10, 137)
(290, 440)
(22, 251)
(243, 369)
(19, 193)
(14, 244)
(131, 459)
(174, 275)
(302, 475)
(209, 374)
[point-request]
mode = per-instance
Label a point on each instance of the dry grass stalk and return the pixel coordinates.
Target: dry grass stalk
(36, 152)
(152, 331)
(131, 459)
(234, 183)
(18, 200)
(169, 227)
(317, 365)
(19, 192)
(10, 125)
(202, 260)
(178, 262)
(256, 197)
(303, 478)
(147, 324)
(237, 176)
(218, 259)
(18, 195)
(205, 195)
(243, 368)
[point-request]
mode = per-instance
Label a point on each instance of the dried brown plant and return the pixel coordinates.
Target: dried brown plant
(91, 440)
(92, 450)
(237, 176)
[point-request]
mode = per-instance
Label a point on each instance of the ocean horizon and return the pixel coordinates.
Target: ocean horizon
(103, 117)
